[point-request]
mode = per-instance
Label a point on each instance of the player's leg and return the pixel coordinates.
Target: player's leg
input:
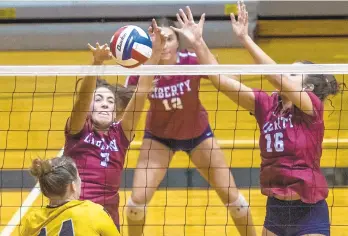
(151, 168)
(266, 232)
(210, 161)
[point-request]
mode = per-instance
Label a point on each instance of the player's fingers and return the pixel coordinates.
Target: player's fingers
(164, 36)
(97, 46)
(154, 24)
(233, 18)
(183, 15)
(243, 8)
(90, 47)
(175, 29)
(104, 47)
(181, 23)
(189, 14)
(202, 20)
(150, 30)
(246, 18)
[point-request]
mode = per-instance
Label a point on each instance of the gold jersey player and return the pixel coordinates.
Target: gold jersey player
(177, 121)
(65, 215)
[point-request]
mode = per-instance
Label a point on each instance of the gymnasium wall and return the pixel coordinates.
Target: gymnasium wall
(70, 25)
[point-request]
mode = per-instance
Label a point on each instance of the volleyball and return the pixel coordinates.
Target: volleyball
(131, 46)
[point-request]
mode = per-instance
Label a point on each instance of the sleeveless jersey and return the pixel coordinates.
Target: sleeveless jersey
(73, 218)
(290, 149)
(99, 158)
(175, 109)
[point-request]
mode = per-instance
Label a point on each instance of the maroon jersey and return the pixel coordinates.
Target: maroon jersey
(175, 109)
(291, 148)
(99, 158)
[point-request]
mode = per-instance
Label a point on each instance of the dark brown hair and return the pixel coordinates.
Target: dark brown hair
(324, 85)
(54, 175)
(122, 94)
(166, 22)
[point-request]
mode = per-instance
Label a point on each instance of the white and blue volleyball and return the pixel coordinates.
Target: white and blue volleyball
(131, 46)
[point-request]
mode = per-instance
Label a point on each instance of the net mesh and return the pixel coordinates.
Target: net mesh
(36, 101)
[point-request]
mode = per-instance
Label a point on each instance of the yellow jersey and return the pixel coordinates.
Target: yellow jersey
(74, 218)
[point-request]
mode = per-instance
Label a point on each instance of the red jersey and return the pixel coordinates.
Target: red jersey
(175, 109)
(99, 158)
(291, 148)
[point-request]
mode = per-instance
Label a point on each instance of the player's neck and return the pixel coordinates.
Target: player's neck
(59, 202)
(286, 104)
(171, 61)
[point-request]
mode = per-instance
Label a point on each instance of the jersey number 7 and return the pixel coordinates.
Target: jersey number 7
(67, 229)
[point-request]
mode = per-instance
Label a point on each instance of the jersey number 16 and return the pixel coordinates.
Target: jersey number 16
(277, 142)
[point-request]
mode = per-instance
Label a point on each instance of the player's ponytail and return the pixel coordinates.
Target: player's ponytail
(323, 85)
(40, 167)
(54, 175)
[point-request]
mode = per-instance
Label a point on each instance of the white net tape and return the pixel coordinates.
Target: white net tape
(174, 70)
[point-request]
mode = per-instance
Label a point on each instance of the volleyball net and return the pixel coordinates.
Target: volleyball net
(35, 102)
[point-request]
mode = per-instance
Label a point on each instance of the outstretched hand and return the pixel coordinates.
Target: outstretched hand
(158, 37)
(240, 26)
(190, 30)
(100, 53)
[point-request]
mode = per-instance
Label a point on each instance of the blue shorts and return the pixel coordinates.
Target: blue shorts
(295, 218)
(186, 145)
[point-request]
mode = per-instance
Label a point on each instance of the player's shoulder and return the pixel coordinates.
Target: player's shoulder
(187, 58)
(90, 205)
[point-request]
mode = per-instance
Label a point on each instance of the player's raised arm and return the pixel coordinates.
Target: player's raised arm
(86, 91)
(292, 90)
(231, 87)
(132, 112)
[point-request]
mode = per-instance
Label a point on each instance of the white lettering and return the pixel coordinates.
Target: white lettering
(181, 87)
(160, 93)
(87, 140)
(166, 92)
(174, 90)
(187, 83)
(276, 124)
(98, 143)
(281, 123)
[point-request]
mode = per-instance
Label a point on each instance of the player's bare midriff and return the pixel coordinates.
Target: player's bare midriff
(292, 197)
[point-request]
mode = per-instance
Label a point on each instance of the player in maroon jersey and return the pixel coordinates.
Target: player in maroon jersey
(94, 139)
(292, 129)
(177, 121)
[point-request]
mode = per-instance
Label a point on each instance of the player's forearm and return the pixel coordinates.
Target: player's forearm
(204, 56)
(145, 82)
(222, 83)
(259, 56)
(85, 93)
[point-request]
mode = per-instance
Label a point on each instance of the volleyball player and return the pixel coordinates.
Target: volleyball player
(177, 121)
(98, 143)
(65, 215)
(292, 129)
